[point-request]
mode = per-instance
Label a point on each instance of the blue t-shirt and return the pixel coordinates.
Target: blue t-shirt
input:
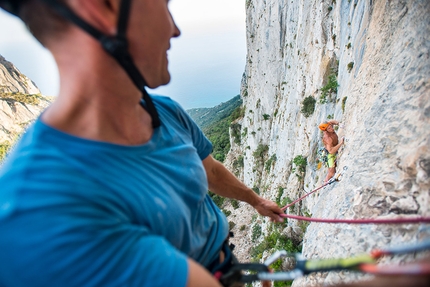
(77, 212)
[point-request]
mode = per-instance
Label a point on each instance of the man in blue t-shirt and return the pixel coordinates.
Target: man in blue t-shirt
(109, 186)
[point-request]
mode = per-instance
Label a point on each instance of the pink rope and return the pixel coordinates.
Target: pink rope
(309, 193)
(306, 195)
(361, 221)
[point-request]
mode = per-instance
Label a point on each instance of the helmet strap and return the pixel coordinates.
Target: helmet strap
(117, 47)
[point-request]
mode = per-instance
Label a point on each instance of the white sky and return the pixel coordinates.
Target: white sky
(206, 62)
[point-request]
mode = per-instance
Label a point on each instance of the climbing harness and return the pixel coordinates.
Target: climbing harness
(365, 263)
(116, 46)
(322, 156)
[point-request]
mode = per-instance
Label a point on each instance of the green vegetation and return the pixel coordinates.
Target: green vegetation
(300, 166)
(238, 163)
(256, 232)
(350, 66)
(256, 189)
(266, 117)
(226, 212)
(204, 117)
(261, 151)
(269, 162)
(231, 225)
(235, 132)
(274, 241)
(4, 148)
(215, 123)
(348, 46)
(30, 99)
(234, 203)
(308, 106)
(343, 104)
(300, 162)
(218, 200)
(329, 88)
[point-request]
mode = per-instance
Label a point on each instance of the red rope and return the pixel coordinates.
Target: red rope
(361, 221)
(307, 194)
(407, 269)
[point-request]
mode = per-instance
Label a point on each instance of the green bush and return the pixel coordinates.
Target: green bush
(343, 104)
(261, 151)
(329, 88)
(274, 241)
(4, 148)
(239, 162)
(256, 232)
(350, 66)
(235, 132)
(226, 212)
(231, 225)
(269, 162)
(308, 106)
(218, 200)
(31, 99)
(266, 117)
(235, 204)
(300, 162)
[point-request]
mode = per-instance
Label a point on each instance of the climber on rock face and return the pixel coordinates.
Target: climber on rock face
(332, 144)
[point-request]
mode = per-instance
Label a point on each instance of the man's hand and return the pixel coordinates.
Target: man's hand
(270, 209)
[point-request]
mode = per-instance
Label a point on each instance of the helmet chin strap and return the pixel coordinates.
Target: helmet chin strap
(117, 47)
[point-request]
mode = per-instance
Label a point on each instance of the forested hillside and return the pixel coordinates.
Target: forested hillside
(216, 122)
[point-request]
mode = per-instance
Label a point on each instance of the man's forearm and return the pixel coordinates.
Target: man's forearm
(333, 122)
(334, 149)
(224, 183)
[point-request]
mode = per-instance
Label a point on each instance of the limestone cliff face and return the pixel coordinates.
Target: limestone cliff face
(379, 53)
(20, 101)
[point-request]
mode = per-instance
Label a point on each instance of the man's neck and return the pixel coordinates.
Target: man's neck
(99, 103)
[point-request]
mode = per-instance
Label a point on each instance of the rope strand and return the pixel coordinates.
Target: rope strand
(361, 221)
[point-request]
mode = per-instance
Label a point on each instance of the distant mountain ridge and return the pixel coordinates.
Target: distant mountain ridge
(20, 104)
(204, 117)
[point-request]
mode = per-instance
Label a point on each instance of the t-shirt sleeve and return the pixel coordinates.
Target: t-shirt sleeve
(200, 141)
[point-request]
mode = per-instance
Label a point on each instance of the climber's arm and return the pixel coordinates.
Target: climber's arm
(222, 182)
(199, 276)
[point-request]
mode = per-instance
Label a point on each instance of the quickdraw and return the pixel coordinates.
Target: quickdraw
(365, 263)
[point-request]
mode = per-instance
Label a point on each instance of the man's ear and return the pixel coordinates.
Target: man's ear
(101, 14)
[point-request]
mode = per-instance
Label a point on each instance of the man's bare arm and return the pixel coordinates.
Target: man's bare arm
(198, 276)
(333, 122)
(333, 149)
(224, 183)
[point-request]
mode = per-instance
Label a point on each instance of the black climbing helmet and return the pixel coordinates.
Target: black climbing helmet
(116, 46)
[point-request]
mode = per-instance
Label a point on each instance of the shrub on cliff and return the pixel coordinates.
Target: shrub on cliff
(308, 106)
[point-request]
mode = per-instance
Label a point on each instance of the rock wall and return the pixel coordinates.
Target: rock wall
(380, 54)
(20, 101)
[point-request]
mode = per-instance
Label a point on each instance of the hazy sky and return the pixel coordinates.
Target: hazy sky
(206, 62)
